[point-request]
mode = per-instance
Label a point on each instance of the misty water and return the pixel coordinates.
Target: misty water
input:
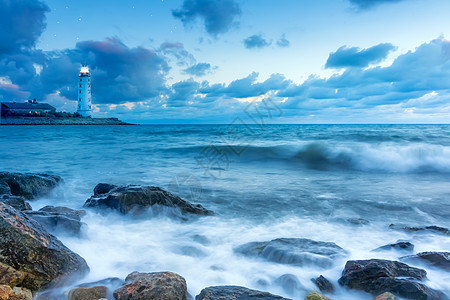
(302, 181)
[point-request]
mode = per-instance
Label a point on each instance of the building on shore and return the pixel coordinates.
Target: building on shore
(28, 108)
(84, 92)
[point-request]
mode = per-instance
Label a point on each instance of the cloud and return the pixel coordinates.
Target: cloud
(218, 16)
(21, 24)
(356, 57)
(256, 41)
(177, 51)
(283, 42)
(200, 69)
(366, 4)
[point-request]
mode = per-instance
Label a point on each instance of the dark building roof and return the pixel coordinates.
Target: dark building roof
(28, 105)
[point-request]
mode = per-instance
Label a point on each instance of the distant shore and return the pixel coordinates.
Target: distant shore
(60, 121)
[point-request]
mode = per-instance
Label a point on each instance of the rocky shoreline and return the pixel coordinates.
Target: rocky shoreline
(60, 121)
(34, 263)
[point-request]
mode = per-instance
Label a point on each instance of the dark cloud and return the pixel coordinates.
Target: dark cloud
(21, 24)
(366, 4)
(200, 69)
(283, 42)
(218, 16)
(177, 51)
(256, 41)
(357, 57)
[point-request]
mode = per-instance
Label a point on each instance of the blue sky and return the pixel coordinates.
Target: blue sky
(205, 61)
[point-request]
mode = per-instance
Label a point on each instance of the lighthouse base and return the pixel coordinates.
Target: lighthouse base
(84, 113)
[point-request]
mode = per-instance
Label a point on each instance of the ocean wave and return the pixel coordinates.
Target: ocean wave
(382, 157)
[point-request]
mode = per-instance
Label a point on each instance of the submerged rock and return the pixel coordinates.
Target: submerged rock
(436, 259)
(316, 296)
(358, 221)
(290, 283)
(136, 199)
(59, 220)
(324, 285)
(377, 276)
(234, 293)
(29, 185)
(93, 293)
(294, 251)
(17, 202)
(159, 285)
(33, 258)
(433, 229)
(399, 245)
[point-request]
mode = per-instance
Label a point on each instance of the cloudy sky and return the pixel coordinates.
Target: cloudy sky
(206, 61)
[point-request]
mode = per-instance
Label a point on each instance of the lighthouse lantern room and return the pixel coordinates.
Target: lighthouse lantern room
(84, 92)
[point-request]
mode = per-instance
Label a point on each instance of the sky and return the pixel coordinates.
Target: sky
(212, 61)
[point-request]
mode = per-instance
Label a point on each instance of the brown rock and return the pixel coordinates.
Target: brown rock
(93, 293)
(316, 296)
(153, 286)
(385, 296)
(10, 276)
(20, 294)
(5, 291)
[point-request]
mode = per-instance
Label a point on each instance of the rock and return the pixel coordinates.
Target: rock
(61, 210)
(324, 285)
(57, 223)
(10, 276)
(290, 283)
(103, 188)
(17, 202)
(37, 258)
(294, 251)
(316, 296)
(436, 259)
(8, 293)
(93, 293)
(234, 293)
(358, 221)
(157, 286)
(377, 276)
(399, 245)
(29, 185)
(385, 296)
(111, 282)
(4, 188)
(136, 199)
(433, 229)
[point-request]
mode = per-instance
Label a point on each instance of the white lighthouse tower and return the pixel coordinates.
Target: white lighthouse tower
(84, 92)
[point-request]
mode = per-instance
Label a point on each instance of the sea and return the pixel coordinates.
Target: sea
(262, 181)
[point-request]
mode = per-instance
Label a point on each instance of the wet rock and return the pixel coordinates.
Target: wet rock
(294, 251)
(316, 296)
(17, 202)
(8, 293)
(10, 276)
(324, 285)
(358, 221)
(103, 188)
(93, 293)
(433, 229)
(377, 276)
(399, 245)
(36, 257)
(57, 223)
(111, 282)
(160, 285)
(436, 259)
(29, 185)
(234, 293)
(290, 283)
(61, 210)
(385, 296)
(136, 199)
(4, 188)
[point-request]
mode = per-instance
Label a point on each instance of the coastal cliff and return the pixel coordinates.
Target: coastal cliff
(60, 121)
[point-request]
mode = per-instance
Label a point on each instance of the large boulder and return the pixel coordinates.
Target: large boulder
(29, 185)
(436, 259)
(378, 276)
(18, 202)
(294, 251)
(33, 258)
(59, 220)
(136, 199)
(234, 293)
(153, 286)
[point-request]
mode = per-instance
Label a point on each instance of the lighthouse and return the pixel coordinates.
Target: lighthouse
(84, 92)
